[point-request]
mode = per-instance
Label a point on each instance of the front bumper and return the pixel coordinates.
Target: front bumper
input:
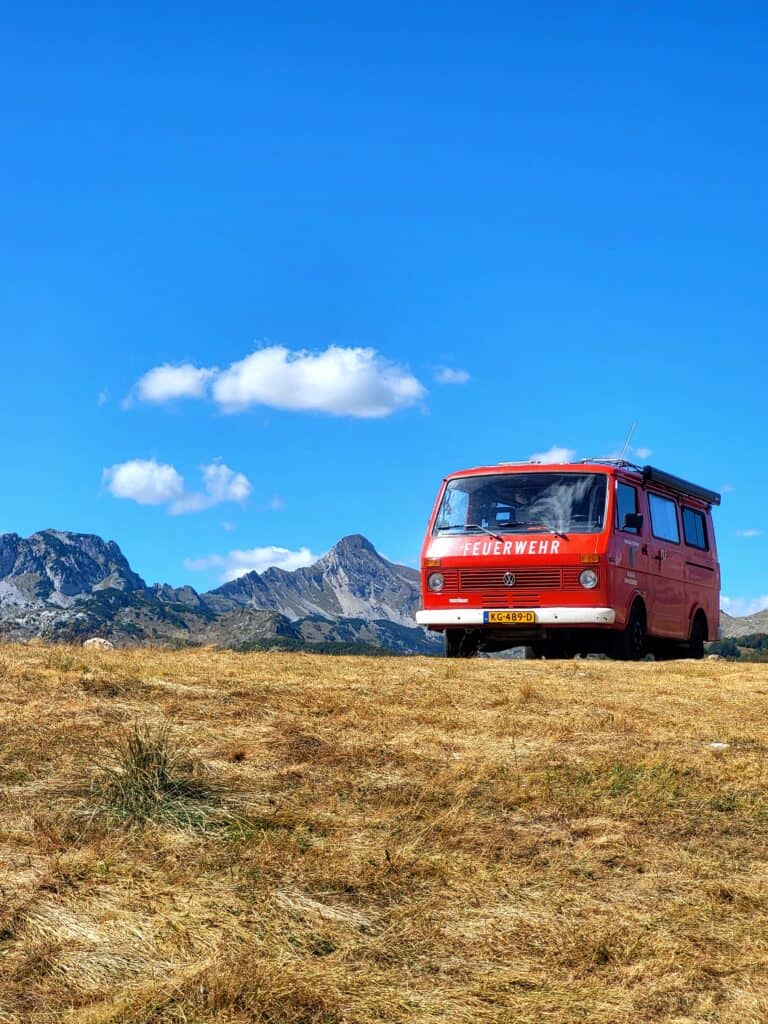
(544, 616)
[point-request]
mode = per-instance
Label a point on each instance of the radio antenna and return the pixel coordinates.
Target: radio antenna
(629, 438)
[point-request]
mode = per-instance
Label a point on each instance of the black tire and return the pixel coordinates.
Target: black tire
(631, 642)
(698, 638)
(460, 644)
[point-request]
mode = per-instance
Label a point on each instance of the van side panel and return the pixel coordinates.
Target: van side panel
(628, 555)
(702, 573)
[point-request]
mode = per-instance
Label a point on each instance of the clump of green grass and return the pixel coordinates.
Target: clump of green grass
(145, 773)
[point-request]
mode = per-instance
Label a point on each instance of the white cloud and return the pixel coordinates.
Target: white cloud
(748, 533)
(554, 455)
(446, 375)
(727, 489)
(167, 382)
(234, 564)
(102, 398)
(339, 381)
(744, 605)
(149, 482)
(145, 481)
(643, 453)
(220, 484)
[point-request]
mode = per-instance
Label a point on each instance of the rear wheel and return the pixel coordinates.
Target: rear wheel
(698, 637)
(630, 643)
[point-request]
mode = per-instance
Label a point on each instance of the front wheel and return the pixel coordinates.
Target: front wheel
(630, 643)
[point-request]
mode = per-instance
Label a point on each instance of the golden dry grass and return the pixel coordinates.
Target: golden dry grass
(389, 840)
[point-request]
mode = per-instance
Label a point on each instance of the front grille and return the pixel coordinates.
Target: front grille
(550, 578)
(529, 584)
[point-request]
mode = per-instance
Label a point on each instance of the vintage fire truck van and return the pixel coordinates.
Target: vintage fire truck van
(592, 557)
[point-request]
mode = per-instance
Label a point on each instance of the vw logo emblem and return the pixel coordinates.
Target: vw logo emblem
(509, 579)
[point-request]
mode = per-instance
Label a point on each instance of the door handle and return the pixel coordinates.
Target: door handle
(644, 549)
(659, 557)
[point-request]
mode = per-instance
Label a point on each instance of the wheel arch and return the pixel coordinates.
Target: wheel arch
(637, 598)
(699, 614)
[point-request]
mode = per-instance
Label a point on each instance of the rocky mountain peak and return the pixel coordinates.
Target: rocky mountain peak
(57, 567)
(353, 547)
(351, 580)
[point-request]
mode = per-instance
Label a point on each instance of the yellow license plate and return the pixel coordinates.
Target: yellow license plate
(511, 618)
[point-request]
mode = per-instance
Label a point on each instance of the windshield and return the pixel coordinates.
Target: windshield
(524, 502)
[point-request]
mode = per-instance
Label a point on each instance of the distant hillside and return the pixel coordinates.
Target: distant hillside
(744, 625)
(65, 587)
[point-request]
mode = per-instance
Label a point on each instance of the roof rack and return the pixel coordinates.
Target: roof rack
(610, 462)
(676, 483)
(657, 476)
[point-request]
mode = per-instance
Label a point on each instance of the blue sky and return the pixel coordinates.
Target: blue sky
(565, 203)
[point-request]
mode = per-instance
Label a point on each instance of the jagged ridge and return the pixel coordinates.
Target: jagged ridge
(67, 586)
(351, 581)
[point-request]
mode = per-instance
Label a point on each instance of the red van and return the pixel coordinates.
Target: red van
(592, 557)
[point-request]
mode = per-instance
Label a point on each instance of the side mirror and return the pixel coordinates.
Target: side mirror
(633, 521)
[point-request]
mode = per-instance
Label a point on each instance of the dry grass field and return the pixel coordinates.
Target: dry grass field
(295, 839)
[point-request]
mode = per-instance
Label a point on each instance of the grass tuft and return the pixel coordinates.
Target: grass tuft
(145, 773)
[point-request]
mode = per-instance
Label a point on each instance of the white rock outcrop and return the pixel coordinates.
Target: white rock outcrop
(99, 643)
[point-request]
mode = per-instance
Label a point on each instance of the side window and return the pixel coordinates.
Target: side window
(626, 504)
(695, 529)
(664, 518)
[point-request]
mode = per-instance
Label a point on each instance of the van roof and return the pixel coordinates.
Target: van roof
(646, 474)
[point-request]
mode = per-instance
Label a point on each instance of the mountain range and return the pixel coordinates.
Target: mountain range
(64, 586)
(68, 586)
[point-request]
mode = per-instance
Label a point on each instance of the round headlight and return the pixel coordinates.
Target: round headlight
(588, 579)
(436, 581)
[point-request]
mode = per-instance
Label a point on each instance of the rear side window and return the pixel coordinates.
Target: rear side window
(664, 518)
(626, 504)
(695, 529)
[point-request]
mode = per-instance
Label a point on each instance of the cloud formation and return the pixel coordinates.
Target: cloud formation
(748, 533)
(555, 454)
(743, 605)
(220, 484)
(149, 482)
(145, 481)
(356, 382)
(445, 375)
(166, 383)
(234, 564)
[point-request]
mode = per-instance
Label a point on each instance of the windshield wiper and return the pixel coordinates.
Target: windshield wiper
(472, 526)
(542, 526)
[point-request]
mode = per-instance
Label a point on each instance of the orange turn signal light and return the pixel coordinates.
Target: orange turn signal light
(431, 563)
(589, 559)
